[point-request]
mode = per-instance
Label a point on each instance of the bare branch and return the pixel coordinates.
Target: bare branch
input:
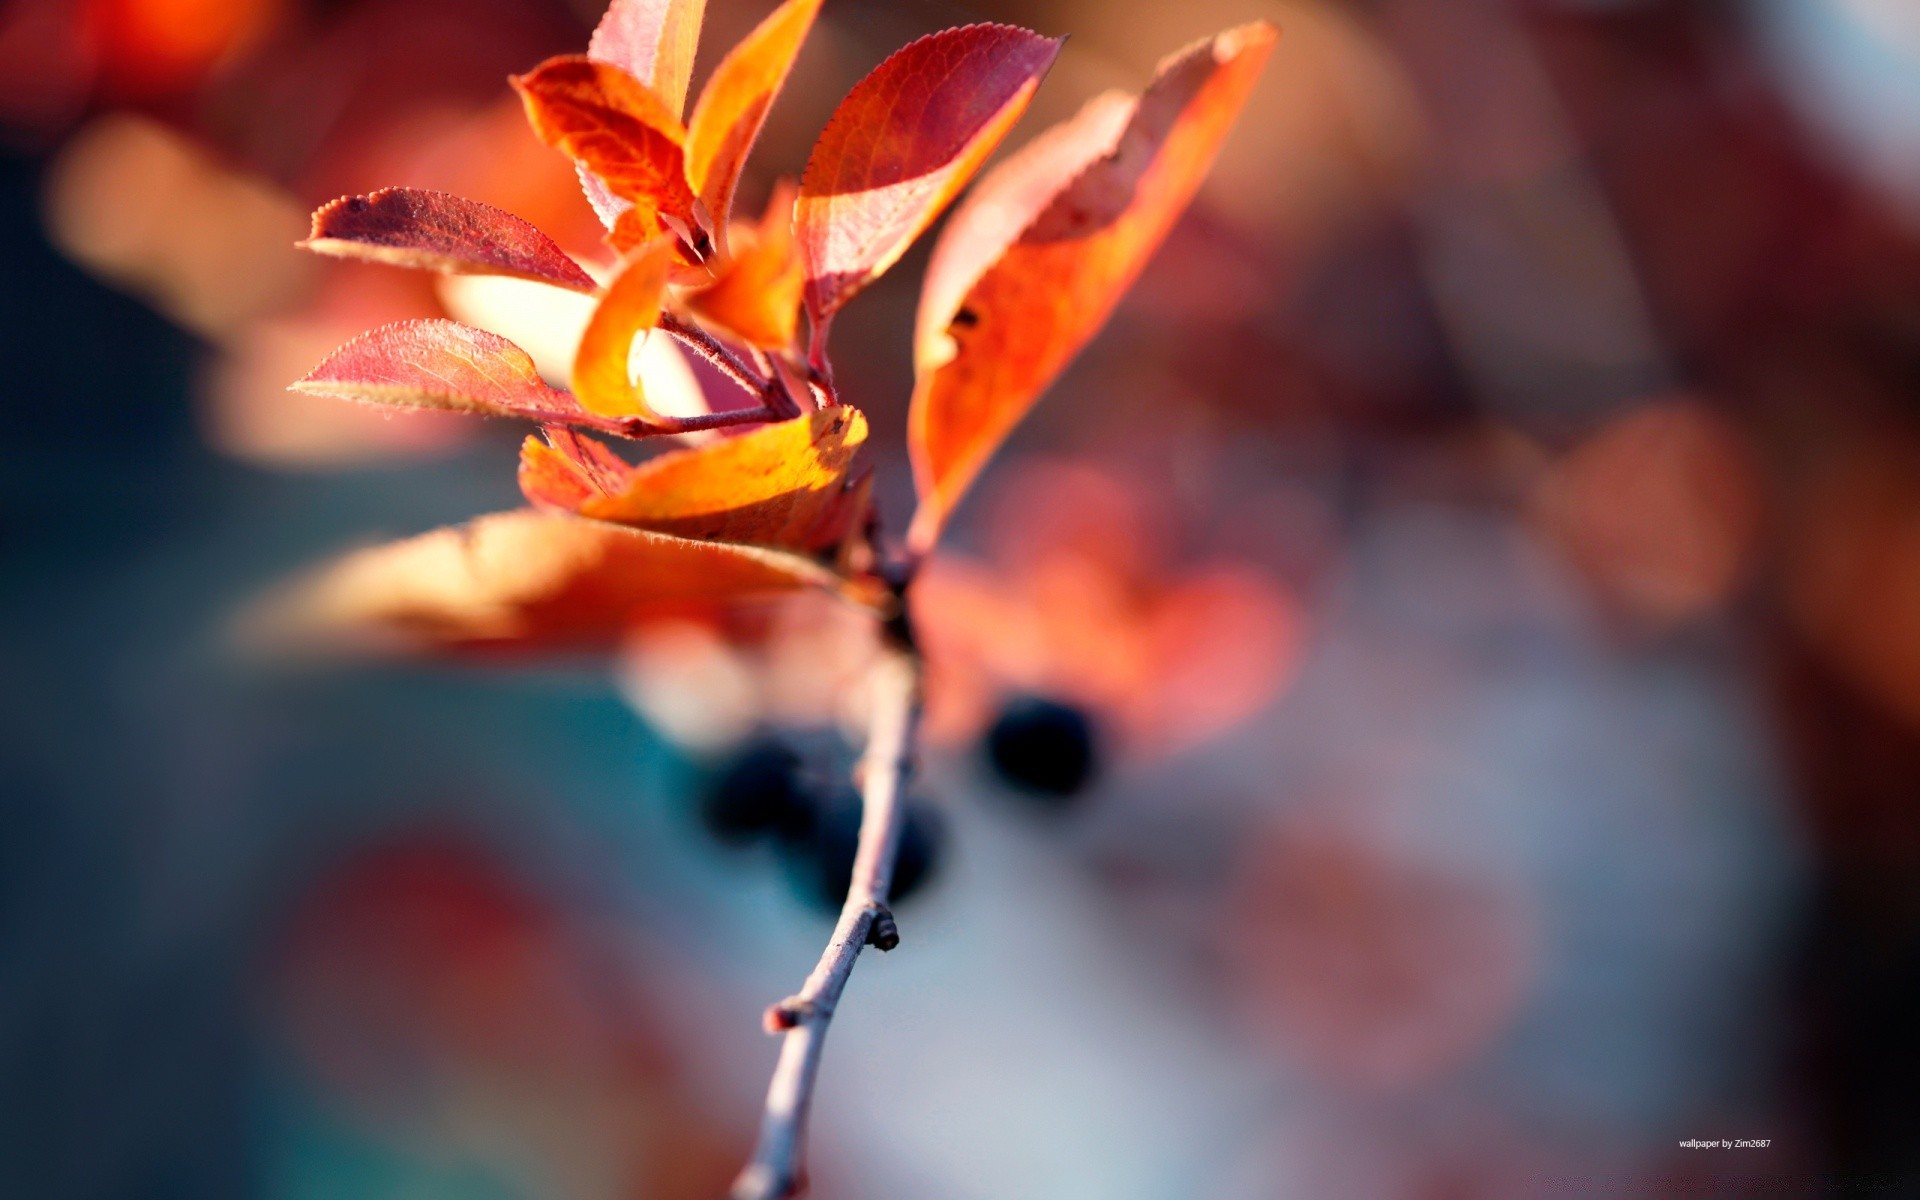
(778, 1167)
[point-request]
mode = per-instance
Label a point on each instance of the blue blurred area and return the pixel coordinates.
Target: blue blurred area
(164, 803)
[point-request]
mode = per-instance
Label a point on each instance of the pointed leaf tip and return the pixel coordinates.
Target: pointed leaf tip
(735, 103)
(654, 41)
(437, 231)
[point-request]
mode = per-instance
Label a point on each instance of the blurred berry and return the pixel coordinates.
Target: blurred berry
(820, 862)
(760, 791)
(1043, 747)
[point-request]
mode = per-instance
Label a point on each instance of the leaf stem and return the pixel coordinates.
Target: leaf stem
(778, 1167)
(705, 421)
(717, 353)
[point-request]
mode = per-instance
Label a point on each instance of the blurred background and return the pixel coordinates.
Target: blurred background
(1485, 551)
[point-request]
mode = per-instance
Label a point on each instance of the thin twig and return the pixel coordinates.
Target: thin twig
(718, 420)
(639, 428)
(716, 352)
(778, 1167)
(781, 395)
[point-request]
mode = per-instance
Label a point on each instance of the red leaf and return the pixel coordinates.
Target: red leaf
(653, 41)
(436, 231)
(734, 104)
(441, 364)
(991, 340)
(616, 127)
(902, 144)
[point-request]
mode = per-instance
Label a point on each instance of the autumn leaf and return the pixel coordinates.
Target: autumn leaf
(902, 145)
(602, 366)
(782, 485)
(994, 332)
(1001, 207)
(517, 580)
(735, 102)
(653, 41)
(617, 128)
(757, 295)
(569, 471)
(436, 363)
(436, 231)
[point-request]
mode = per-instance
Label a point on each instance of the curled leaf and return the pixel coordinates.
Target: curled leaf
(440, 364)
(734, 104)
(757, 295)
(437, 231)
(902, 145)
(516, 580)
(653, 41)
(991, 341)
(618, 129)
(782, 485)
(602, 366)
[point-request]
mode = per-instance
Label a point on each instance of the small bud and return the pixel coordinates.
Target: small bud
(787, 1015)
(883, 934)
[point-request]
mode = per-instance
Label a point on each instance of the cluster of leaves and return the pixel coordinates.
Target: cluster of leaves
(1026, 272)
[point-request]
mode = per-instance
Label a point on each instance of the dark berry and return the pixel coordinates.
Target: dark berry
(1043, 747)
(821, 861)
(761, 790)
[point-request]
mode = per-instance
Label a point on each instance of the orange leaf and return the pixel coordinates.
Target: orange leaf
(1001, 207)
(757, 296)
(520, 579)
(989, 345)
(902, 145)
(781, 485)
(653, 41)
(602, 366)
(615, 127)
(442, 364)
(436, 231)
(734, 104)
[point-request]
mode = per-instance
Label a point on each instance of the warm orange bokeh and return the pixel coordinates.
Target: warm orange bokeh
(1083, 600)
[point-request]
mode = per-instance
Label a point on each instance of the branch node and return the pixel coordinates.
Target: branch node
(790, 1013)
(883, 934)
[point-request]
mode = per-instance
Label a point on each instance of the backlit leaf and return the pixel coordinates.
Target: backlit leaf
(436, 231)
(1001, 207)
(782, 485)
(440, 364)
(602, 366)
(616, 127)
(517, 580)
(757, 295)
(653, 41)
(734, 104)
(902, 145)
(568, 470)
(989, 345)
